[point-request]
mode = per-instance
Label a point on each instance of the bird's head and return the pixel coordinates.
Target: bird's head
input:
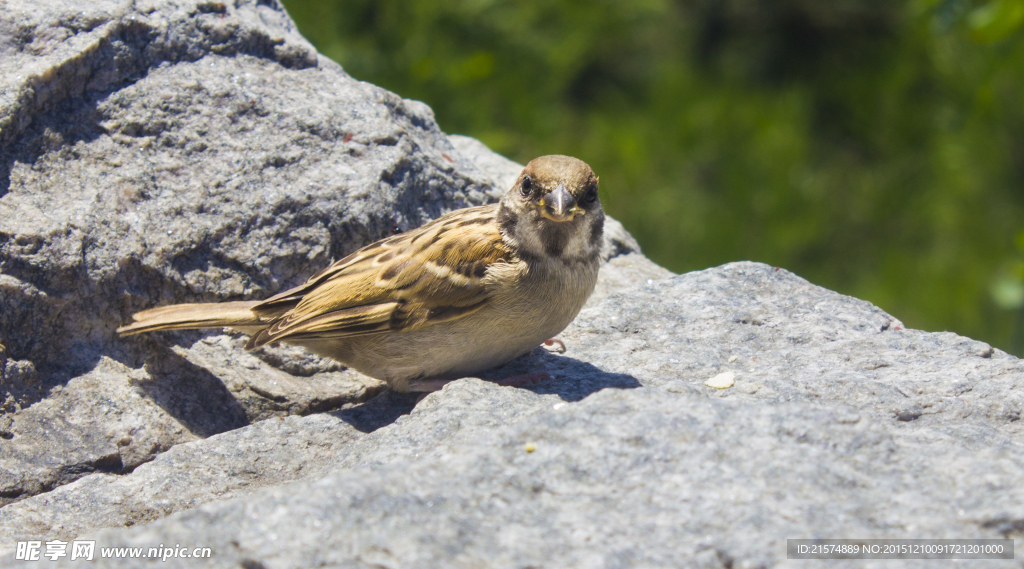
(554, 209)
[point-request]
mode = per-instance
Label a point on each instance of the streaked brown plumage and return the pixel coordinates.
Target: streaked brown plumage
(466, 292)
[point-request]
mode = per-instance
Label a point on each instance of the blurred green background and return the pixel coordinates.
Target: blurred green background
(875, 147)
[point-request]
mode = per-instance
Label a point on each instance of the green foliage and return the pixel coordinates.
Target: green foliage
(875, 147)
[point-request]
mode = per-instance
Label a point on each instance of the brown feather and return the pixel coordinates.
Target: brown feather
(432, 274)
(189, 316)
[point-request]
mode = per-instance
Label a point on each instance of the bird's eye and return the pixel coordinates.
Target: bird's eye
(591, 195)
(526, 186)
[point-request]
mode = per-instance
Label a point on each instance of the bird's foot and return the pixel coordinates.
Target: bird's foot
(556, 342)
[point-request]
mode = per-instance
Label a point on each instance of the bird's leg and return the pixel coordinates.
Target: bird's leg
(553, 341)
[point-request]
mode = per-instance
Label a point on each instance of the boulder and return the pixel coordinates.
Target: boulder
(164, 151)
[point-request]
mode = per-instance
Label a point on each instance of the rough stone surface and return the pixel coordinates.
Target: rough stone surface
(178, 151)
(636, 462)
(167, 151)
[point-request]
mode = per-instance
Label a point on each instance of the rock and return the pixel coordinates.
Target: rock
(277, 450)
(175, 151)
(19, 382)
(634, 478)
(635, 461)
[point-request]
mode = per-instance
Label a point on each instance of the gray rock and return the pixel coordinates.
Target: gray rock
(195, 169)
(276, 451)
(161, 152)
(167, 151)
(635, 461)
(474, 156)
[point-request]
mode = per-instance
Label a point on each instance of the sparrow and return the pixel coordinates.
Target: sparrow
(464, 293)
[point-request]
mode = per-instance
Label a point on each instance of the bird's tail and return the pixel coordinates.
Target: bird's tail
(190, 316)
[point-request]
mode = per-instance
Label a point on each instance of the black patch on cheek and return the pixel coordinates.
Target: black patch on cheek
(597, 230)
(506, 220)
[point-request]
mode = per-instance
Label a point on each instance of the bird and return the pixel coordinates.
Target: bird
(464, 293)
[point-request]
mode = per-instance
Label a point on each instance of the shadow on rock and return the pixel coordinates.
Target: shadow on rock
(192, 395)
(380, 411)
(572, 380)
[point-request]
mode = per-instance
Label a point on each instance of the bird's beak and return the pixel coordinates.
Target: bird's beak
(559, 205)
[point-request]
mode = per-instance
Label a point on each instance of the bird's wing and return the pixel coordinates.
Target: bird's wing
(432, 274)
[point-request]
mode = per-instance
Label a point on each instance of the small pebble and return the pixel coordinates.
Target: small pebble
(530, 447)
(724, 380)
